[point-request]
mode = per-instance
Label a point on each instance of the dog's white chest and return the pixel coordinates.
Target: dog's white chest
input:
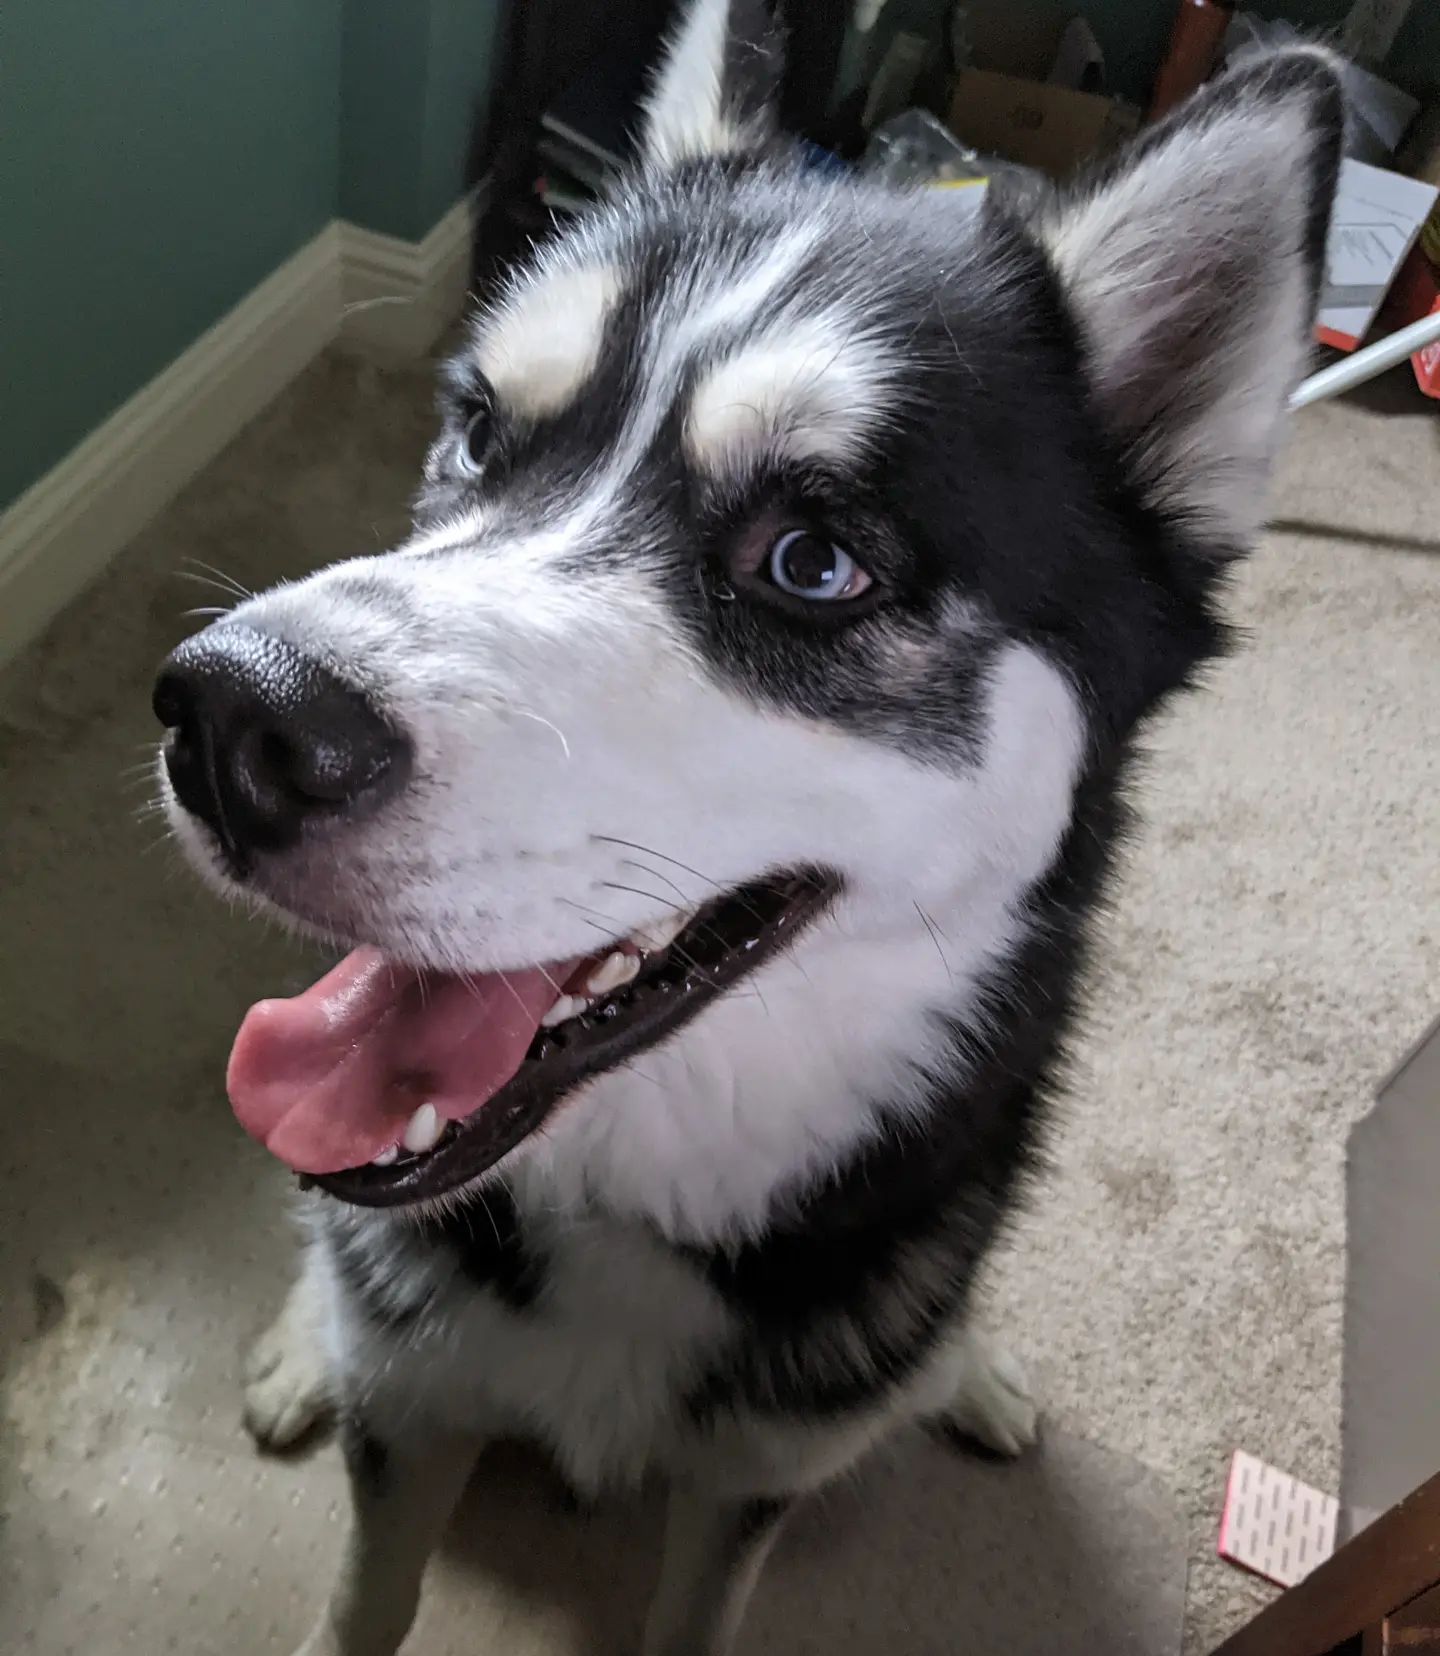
(596, 1366)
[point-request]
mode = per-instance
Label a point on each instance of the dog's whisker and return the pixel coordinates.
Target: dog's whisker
(634, 1069)
(356, 306)
(227, 583)
(609, 930)
(935, 935)
(650, 851)
(645, 868)
(540, 719)
(499, 1243)
(207, 581)
(686, 957)
(635, 891)
(518, 998)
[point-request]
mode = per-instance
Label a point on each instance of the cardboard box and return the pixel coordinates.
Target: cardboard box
(1374, 223)
(1049, 127)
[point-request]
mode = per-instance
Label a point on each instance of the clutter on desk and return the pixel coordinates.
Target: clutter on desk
(1196, 39)
(977, 95)
(1379, 113)
(1040, 125)
(1374, 224)
(1415, 292)
(916, 148)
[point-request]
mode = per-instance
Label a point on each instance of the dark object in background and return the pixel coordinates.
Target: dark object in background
(815, 33)
(587, 63)
(544, 47)
(1195, 41)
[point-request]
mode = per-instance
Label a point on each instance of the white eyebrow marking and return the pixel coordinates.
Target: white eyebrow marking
(543, 345)
(816, 390)
(727, 298)
(718, 299)
(735, 300)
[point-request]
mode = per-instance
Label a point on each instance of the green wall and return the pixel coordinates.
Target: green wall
(158, 158)
(461, 60)
(384, 72)
(415, 77)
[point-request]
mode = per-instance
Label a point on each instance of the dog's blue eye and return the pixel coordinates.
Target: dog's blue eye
(473, 444)
(806, 566)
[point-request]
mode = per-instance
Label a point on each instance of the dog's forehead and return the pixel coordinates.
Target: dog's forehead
(771, 319)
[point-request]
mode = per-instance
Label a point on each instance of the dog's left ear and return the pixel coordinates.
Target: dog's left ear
(716, 88)
(1194, 270)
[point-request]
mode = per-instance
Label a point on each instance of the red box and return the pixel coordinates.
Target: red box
(1415, 293)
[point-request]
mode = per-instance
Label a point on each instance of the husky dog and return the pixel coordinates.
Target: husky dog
(714, 794)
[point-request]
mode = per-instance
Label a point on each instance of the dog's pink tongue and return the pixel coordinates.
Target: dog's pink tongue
(329, 1079)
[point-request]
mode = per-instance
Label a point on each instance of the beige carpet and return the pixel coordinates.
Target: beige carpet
(1177, 1288)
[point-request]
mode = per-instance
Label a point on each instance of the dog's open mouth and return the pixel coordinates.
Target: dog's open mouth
(385, 1085)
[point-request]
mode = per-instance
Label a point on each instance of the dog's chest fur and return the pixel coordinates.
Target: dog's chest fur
(590, 1320)
(621, 1354)
(582, 1333)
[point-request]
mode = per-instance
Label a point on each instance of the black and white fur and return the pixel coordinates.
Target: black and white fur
(746, 1259)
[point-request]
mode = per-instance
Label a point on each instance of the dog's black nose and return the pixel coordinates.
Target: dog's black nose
(263, 739)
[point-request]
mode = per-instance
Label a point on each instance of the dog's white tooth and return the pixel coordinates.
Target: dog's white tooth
(614, 970)
(567, 1007)
(423, 1130)
(385, 1157)
(660, 934)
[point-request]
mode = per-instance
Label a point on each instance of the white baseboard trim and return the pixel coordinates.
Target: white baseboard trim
(400, 296)
(60, 534)
(65, 528)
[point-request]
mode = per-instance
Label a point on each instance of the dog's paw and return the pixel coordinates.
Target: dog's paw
(994, 1407)
(287, 1391)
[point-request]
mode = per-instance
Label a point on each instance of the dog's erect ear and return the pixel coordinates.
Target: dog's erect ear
(1194, 269)
(715, 90)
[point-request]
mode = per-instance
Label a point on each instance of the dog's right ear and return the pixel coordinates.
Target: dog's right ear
(717, 85)
(1193, 268)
